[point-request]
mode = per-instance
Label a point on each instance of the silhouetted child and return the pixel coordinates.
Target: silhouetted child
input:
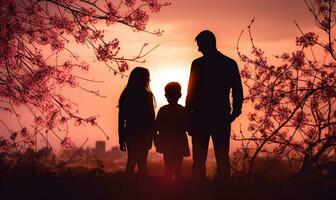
(171, 126)
(136, 120)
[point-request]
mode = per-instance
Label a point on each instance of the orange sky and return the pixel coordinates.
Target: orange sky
(274, 31)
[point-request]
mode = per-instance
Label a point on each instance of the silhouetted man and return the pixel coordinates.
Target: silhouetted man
(212, 77)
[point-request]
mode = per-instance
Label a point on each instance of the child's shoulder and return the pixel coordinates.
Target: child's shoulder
(170, 107)
(164, 108)
(180, 106)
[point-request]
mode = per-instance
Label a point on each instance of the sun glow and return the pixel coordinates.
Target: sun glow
(165, 74)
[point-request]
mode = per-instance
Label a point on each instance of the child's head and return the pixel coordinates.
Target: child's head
(173, 92)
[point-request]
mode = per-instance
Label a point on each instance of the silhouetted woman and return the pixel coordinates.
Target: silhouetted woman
(136, 120)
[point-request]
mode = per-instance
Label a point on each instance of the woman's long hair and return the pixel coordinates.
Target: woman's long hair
(138, 83)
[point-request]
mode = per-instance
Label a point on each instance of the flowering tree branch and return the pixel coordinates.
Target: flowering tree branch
(30, 78)
(294, 102)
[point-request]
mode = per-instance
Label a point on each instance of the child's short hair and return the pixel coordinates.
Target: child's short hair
(173, 89)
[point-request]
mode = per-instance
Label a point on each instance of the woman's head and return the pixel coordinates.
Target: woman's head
(138, 83)
(139, 78)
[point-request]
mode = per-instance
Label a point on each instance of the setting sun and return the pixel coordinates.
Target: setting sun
(165, 74)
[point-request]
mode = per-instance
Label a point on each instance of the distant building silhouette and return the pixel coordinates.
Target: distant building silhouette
(100, 148)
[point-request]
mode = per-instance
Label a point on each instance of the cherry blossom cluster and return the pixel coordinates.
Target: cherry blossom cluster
(32, 79)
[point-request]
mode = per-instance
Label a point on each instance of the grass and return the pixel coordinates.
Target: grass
(30, 184)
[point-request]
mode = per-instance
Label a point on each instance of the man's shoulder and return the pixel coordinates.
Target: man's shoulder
(220, 56)
(227, 59)
(198, 60)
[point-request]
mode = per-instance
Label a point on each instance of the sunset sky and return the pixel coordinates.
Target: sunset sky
(274, 31)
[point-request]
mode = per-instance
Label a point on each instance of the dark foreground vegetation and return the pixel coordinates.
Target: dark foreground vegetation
(32, 182)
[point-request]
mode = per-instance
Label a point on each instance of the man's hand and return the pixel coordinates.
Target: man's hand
(122, 146)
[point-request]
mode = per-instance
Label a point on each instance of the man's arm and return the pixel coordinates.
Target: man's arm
(237, 93)
(191, 88)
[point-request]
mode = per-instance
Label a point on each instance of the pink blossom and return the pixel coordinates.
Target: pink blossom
(97, 34)
(123, 66)
(63, 23)
(308, 39)
(67, 143)
(24, 132)
(92, 120)
(154, 6)
(138, 19)
(81, 35)
(4, 145)
(130, 3)
(298, 59)
(108, 51)
(112, 13)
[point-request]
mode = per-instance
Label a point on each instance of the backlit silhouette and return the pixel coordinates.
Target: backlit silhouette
(171, 124)
(212, 77)
(136, 120)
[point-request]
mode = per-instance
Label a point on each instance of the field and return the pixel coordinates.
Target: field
(83, 183)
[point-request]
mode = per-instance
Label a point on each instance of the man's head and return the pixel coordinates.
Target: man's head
(173, 92)
(206, 42)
